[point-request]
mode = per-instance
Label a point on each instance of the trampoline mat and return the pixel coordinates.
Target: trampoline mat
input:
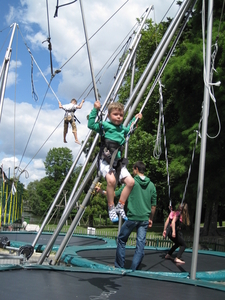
(44, 238)
(53, 285)
(154, 260)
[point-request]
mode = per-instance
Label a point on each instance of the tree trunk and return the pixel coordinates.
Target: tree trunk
(213, 223)
(91, 221)
(206, 220)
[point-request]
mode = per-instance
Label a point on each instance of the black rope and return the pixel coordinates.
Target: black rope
(58, 6)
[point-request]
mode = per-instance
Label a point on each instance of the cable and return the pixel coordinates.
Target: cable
(58, 6)
(34, 124)
(93, 34)
(210, 84)
(49, 39)
(44, 144)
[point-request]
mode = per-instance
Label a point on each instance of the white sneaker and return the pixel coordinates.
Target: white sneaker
(120, 211)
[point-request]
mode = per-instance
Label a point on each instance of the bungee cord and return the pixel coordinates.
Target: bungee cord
(49, 39)
(94, 33)
(58, 6)
(34, 125)
(210, 84)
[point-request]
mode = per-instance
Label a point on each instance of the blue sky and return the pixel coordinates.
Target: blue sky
(26, 124)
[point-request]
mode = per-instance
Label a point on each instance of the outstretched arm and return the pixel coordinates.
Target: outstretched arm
(81, 104)
(91, 119)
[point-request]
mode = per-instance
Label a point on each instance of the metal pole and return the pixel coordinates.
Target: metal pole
(154, 62)
(97, 136)
(203, 144)
(73, 198)
(89, 52)
(126, 145)
(5, 69)
(117, 84)
(69, 234)
(62, 220)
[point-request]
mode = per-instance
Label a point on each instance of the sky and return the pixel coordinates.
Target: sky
(30, 122)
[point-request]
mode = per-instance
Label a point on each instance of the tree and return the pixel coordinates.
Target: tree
(183, 97)
(58, 162)
(40, 194)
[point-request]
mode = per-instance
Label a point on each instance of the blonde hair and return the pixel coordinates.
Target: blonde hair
(185, 215)
(115, 105)
(73, 100)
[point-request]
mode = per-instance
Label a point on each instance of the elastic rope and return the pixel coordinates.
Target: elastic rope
(221, 16)
(34, 95)
(94, 33)
(49, 39)
(113, 58)
(192, 159)
(164, 139)
(44, 143)
(5, 38)
(34, 124)
(14, 144)
(210, 84)
(58, 6)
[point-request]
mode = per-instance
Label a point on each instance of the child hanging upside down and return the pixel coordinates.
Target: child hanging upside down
(70, 118)
(114, 137)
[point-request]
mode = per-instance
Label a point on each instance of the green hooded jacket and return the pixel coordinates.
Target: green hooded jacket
(141, 199)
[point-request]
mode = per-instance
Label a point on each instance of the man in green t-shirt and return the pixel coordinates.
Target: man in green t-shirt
(141, 208)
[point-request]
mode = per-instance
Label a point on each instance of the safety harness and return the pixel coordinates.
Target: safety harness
(109, 150)
(72, 112)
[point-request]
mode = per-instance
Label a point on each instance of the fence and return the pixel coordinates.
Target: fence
(205, 243)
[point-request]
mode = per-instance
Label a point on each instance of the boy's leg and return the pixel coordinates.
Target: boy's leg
(74, 130)
(65, 130)
(129, 183)
(111, 183)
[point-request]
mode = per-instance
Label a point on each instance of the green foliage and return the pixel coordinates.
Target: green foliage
(41, 193)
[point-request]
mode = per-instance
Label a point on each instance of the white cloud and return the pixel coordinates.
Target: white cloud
(67, 36)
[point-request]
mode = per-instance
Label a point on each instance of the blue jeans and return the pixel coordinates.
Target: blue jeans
(125, 232)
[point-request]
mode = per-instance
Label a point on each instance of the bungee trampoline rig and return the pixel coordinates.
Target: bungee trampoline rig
(85, 265)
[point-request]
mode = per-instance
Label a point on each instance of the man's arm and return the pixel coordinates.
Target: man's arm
(151, 217)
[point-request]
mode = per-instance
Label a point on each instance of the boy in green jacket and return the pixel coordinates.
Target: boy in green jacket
(114, 137)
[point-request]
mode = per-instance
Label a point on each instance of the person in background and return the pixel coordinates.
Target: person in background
(69, 117)
(172, 229)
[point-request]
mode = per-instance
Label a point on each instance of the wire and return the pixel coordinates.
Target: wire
(210, 84)
(58, 6)
(34, 124)
(43, 144)
(94, 34)
(49, 39)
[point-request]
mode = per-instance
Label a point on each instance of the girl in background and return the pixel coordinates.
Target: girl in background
(172, 229)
